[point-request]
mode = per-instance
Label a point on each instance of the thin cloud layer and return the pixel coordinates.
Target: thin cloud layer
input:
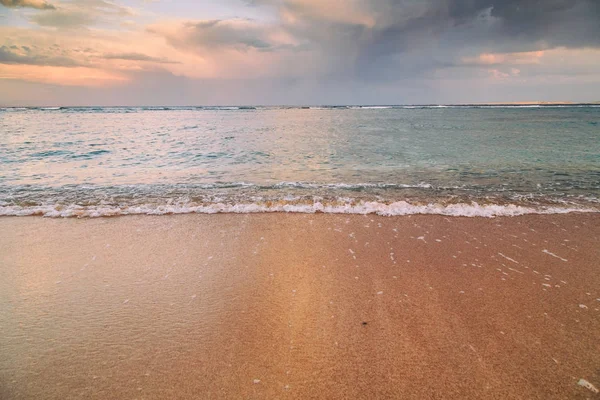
(39, 4)
(137, 57)
(23, 55)
(64, 19)
(238, 34)
(81, 13)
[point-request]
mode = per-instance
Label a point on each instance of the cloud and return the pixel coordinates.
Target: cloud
(532, 57)
(350, 12)
(238, 34)
(39, 4)
(389, 40)
(63, 19)
(551, 23)
(11, 55)
(381, 42)
(63, 76)
(82, 13)
(409, 38)
(137, 57)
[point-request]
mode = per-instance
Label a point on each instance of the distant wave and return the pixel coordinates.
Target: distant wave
(239, 185)
(323, 107)
(349, 186)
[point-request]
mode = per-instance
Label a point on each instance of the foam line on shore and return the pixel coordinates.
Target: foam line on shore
(369, 207)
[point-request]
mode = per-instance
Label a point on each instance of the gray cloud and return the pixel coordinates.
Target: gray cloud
(64, 19)
(8, 56)
(240, 34)
(81, 13)
(515, 24)
(137, 57)
(39, 4)
(383, 40)
(228, 33)
(451, 29)
(408, 38)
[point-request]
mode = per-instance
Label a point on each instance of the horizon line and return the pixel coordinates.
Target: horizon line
(514, 103)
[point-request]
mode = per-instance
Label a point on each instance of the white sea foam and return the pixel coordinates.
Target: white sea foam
(371, 107)
(368, 207)
(351, 186)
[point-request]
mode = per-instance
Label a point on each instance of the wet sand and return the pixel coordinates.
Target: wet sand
(299, 306)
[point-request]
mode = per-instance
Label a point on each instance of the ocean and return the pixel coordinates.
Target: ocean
(394, 160)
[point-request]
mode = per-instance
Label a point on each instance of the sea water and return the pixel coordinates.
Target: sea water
(451, 160)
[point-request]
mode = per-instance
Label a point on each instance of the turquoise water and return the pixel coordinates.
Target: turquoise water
(395, 160)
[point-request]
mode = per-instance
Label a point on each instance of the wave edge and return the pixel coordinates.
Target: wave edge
(398, 208)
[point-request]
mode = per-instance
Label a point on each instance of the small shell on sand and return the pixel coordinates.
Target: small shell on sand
(588, 385)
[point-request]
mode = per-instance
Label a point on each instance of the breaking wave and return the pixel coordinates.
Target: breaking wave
(341, 206)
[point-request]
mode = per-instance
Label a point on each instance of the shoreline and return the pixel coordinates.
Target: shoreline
(365, 208)
(276, 305)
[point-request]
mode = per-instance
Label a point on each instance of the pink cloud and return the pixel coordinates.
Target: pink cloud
(524, 58)
(78, 76)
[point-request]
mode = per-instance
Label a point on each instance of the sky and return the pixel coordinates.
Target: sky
(294, 52)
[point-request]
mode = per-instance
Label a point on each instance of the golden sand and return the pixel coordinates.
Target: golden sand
(283, 306)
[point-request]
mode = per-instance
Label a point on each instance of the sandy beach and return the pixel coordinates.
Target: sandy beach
(300, 306)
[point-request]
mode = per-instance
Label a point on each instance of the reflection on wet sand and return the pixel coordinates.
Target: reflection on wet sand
(299, 306)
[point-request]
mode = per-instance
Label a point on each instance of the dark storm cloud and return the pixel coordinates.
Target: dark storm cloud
(408, 37)
(39, 4)
(447, 30)
(8, 56)
(523, 23)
